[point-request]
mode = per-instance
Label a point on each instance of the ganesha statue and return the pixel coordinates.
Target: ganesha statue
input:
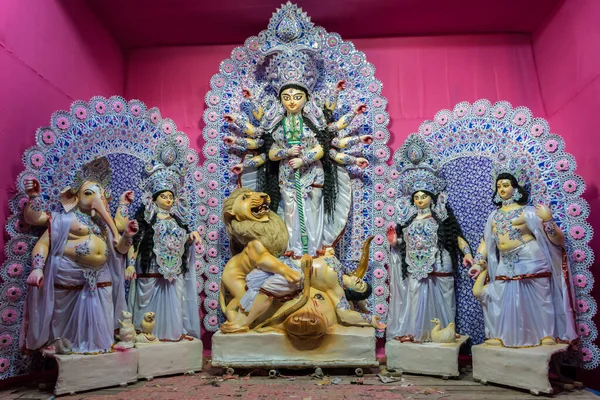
(262, 288)
(76, 285)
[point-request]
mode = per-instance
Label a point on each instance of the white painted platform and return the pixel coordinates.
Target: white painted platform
(78, 373)
(169, 358)
(439, 359)
(525, 368)
(342, 346)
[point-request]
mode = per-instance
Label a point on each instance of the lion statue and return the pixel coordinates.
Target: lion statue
(258, 236)
(260, 283)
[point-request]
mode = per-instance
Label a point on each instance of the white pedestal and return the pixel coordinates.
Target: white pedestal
(77, 373)
(169, 358)
(343, 346)
(440, 359)
(525, 368)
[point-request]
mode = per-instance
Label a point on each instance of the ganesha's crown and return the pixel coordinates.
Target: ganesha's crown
(519, 166)
(97, 170)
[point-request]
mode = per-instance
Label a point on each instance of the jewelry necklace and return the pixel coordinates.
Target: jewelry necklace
(87, 220)
(507, 202)
(423, 211)
(163, 213)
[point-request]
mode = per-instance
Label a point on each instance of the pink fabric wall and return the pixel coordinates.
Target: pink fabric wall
(567, 54)
(420, 76)
(50, 55)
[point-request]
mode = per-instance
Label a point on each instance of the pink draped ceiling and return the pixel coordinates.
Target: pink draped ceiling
(149, 23)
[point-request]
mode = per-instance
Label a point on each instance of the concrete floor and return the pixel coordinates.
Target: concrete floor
(211, 384)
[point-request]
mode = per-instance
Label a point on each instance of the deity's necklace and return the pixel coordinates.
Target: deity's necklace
(88, 221)
(506, 203)
(164, 213)
(423, 211)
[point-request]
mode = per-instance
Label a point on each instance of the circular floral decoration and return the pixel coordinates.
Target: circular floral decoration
(499, 112)
(4, 365)
(10, 316)
(6, 340)
(15, 270)
(13, 293)
(81, 113)
(62, 123)
(100, 107)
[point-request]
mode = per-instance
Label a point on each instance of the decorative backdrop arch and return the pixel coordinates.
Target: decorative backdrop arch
(340, 61)
(127, 133)
(466, 140)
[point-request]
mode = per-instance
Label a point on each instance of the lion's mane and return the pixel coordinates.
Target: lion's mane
(272, 234)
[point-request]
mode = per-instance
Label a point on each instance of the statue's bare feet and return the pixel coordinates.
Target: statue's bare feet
(493, 342)
(548, 341)
(405, 338)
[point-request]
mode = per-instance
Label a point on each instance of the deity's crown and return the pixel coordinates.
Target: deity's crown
(293, 43)
(166, 169)
(292, 67)
(418, 168)
(97, 170)
(518, 165)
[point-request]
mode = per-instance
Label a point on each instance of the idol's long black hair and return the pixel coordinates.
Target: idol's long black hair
(513, 181)
(448, 233)
(268, 177)
(351, 295)
(145, 238)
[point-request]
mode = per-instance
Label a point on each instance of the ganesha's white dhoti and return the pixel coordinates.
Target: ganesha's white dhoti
(75, 302)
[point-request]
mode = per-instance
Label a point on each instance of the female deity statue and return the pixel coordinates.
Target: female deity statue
(160, 264)
(426, 246)
(76, 283)
(527, 301)
(296, 152)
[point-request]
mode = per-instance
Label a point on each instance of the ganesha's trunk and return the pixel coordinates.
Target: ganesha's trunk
(101, 208)
(363, 264)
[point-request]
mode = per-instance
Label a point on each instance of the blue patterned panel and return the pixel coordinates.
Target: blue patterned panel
(127, 174)
(469, 191)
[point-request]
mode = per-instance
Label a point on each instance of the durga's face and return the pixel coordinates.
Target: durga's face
(293, 100)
